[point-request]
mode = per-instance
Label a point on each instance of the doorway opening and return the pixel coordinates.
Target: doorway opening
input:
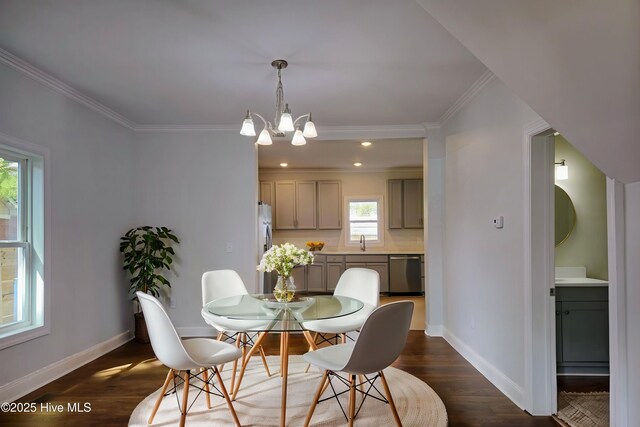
(566, 273)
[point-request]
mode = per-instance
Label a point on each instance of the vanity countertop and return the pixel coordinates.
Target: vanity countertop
(580, 282)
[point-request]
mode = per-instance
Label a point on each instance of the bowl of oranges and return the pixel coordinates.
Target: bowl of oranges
(315, 246)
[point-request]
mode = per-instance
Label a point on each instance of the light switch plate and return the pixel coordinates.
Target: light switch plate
(498, 221)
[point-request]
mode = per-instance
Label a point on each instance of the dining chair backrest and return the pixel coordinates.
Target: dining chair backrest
(165, 341)
(381, 338)
(360, 283)
(221, 284)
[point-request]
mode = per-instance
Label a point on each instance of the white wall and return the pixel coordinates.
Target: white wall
(632, 239)
(363, 183)
(483, 266)
(91, 170)
(203, 185)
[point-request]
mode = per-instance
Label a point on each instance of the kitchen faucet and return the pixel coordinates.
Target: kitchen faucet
(363, 243)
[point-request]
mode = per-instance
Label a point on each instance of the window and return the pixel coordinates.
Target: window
(21, 244)
(365, 219)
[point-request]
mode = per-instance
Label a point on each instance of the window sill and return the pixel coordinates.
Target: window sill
(9, 339)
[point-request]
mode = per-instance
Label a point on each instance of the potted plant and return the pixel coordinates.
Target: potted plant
(147, 254)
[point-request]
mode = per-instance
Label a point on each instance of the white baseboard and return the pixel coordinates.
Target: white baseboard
(510, 389)
(197, 331)
(18, 388)
(434, 330)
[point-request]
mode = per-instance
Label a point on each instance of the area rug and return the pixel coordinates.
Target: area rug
(583, 409)
(258, 402)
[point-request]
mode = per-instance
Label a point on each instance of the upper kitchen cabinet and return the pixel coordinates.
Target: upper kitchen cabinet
(329, 205)
(295, 205)
(405, 203)
(267, 192)
(394, 195)
(412, 203)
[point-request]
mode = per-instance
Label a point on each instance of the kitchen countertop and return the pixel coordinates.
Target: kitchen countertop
(579, 282)
(372, 252)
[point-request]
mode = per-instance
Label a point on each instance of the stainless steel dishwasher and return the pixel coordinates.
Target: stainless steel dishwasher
(405, 277)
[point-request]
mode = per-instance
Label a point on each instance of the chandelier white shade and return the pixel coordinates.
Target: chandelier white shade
(283, 119)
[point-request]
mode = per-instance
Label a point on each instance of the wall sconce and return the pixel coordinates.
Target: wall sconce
(562, 170)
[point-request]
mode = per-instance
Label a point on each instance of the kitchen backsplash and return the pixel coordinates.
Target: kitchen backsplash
(395, 240)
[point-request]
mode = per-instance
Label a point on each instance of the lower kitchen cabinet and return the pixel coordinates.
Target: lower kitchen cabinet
(379, 263)
(299, 276)
(315, 276)
(582, 330)
(334, 271)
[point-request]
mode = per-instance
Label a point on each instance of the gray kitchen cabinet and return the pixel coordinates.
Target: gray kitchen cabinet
(295, 205)
(267, 192)
(315, 277)
(299, 276)
(379, 263)
(329, 205)
(394, 196)
(335, 268)
(412, 203)
(305, 205)
(582, 330)
(405, 201)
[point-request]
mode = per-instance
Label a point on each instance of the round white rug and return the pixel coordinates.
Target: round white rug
(258, 401)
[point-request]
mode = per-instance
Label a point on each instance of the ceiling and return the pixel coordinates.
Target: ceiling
(381, 154)
(204, 62)
(575, 62)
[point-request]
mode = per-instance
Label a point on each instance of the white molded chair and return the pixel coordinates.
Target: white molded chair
(360, 283)
(218, 284)
(192, 355)
(380, 342)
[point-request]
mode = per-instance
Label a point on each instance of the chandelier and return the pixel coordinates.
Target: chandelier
(283, 119)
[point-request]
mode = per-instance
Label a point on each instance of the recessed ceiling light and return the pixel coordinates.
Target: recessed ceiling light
(556, 133)
(357, 164)
(365, 143)
(284, 165)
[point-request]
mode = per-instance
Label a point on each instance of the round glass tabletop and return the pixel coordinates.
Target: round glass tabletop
(263, 313)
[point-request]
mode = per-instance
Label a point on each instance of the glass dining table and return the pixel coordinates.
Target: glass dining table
(269, 316)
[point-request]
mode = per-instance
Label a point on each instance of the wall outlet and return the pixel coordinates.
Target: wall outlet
(498, 222)
(229, 247)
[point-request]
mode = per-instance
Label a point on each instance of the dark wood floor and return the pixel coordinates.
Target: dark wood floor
(115, 383)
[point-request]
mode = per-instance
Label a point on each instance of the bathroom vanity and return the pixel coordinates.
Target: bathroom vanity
(582, 323)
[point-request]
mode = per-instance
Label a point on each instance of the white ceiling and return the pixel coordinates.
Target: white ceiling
(203, 62)
(381, 154)
(575, 62)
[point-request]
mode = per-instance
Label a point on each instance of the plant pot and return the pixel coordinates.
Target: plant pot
(141, 332)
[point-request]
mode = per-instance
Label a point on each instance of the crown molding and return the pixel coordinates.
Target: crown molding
(51, 82)
(467, 96)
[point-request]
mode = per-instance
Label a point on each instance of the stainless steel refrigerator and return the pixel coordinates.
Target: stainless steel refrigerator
(265, 280)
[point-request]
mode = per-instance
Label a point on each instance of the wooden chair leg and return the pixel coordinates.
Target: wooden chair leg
(161, 396)
(219, 338)
(390, 399)
(185, 399)
(227, 398)
(321, 389)
(352, 399)
(344, 338)
(205, 376)
(235, 363)
(264, 361)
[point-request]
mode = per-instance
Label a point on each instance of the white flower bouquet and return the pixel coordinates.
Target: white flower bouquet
(283, 258)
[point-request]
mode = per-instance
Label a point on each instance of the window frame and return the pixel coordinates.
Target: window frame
(33, 239)
(380, 221)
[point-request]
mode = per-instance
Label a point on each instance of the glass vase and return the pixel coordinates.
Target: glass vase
(285, 289)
